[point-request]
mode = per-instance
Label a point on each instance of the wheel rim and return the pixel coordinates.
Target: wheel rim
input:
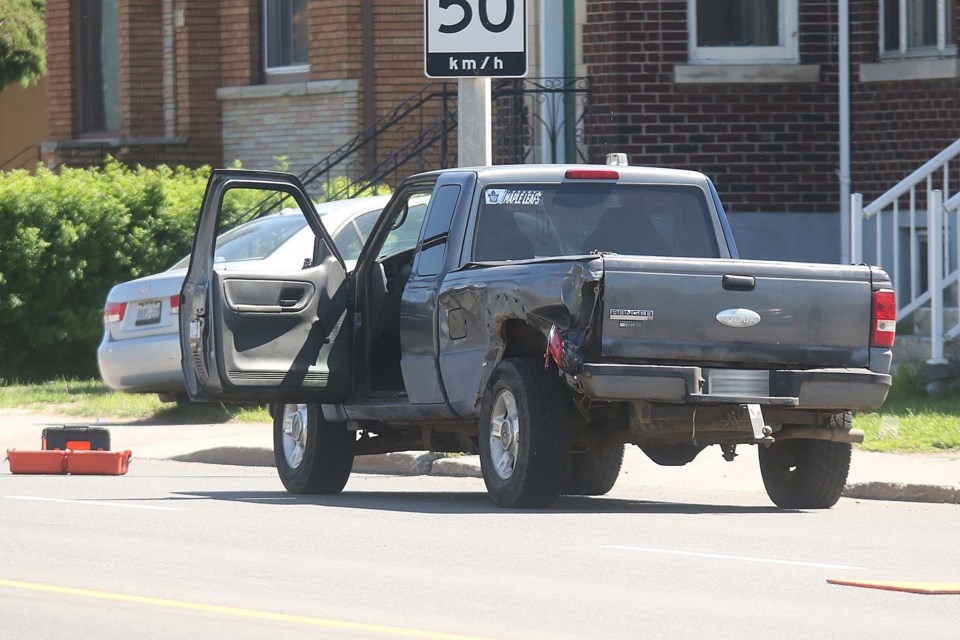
(294, 434)
(505, 434)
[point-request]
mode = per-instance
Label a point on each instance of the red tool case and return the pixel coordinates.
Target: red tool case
(74, 449)
(98, 463)
(48, 462)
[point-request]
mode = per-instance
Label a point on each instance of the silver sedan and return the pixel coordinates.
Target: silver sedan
(140, 350)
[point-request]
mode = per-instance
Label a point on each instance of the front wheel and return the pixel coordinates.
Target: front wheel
(313, 456)
(524, 434)
(807, 474)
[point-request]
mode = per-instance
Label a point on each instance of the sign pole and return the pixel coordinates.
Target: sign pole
(474, 141)
(473, 41)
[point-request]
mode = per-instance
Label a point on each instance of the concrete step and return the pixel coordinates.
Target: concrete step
(921, 320)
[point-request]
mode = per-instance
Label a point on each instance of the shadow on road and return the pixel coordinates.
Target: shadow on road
(473, 502)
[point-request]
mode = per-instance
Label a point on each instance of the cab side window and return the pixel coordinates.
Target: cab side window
(433, 239)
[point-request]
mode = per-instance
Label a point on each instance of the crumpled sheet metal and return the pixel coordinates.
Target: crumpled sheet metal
(476, 302)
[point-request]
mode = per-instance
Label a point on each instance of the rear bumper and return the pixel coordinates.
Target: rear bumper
(149, 364)
(839, 389)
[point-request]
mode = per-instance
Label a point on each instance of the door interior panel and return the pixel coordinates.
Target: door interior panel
(268, 295)
(283, 330)
(253, 335)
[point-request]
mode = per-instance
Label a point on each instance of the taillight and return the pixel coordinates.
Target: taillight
(884, 318)
(175, 305)
(592, 174)
(554, 347)
(113, 312)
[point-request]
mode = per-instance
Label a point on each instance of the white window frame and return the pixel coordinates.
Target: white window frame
(942, 49)
(289, 69)
(787, 52)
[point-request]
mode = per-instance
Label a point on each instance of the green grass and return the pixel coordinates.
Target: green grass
(93, 399)
(912, 420)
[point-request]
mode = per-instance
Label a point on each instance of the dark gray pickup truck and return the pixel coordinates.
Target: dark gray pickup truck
(541, 316)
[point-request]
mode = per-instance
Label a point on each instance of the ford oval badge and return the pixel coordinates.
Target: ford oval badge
(738, 318)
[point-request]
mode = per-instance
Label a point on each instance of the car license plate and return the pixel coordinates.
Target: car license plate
(148, 312)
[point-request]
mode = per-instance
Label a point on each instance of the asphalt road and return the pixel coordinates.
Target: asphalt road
(177, 550)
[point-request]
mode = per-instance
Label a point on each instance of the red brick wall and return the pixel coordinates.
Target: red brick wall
(768, 147)
(897, 126)
(141, 69)
(141, 77)
(198, 76)
(398, 51)
(335, 40)
(60, 92)
(240, 40)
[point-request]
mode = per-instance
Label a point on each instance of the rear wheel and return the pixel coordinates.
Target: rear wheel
(313, 456)
(807, 474)
(524, 434)
(594, 472)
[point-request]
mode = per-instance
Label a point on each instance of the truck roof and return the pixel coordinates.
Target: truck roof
(557, 173)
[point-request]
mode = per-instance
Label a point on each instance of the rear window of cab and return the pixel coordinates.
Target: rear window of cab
(525, 221)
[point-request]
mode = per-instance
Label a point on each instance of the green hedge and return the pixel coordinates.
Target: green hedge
(66, 239)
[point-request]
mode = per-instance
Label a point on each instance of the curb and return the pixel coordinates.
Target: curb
(397, 464)
(239, 456)
(463, 467)
(403, 464)
(899, 492)
(422, 464)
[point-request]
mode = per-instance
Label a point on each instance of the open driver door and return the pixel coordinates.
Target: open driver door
(258, 329)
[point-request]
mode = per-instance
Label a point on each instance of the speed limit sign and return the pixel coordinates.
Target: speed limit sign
(475, 38)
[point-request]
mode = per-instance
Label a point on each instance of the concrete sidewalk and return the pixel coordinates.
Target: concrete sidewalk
(873, 476)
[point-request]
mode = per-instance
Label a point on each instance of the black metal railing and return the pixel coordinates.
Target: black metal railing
(410, 120)
(533, 119)
(540, 120)
(83, 154)
(26, 158)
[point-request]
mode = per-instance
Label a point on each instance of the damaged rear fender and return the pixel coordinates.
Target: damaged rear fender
(489, 311)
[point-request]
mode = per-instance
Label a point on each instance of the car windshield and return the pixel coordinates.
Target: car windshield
(518, 222)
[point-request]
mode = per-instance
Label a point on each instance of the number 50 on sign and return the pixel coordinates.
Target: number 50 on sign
(475, 38)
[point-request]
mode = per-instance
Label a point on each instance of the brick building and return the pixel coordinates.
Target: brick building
(744, 90)
(207, 81)
(748, 93)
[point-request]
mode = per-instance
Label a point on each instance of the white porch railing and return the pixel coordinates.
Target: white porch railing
(921, 211)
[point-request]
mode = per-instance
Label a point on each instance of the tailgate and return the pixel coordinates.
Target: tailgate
(736, 313)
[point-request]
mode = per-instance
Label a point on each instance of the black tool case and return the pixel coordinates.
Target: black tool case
(76, 438)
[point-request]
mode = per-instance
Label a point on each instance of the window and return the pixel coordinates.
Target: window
(98, 65)
(743, 31)
(351, 238)
(522, 222)
(916, 28)
(285, 35)
(406, 227)
(435, 232)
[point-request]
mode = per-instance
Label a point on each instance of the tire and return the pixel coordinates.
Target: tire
(313, 456)
(524, 434)
(594, 472)
(807, 474)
